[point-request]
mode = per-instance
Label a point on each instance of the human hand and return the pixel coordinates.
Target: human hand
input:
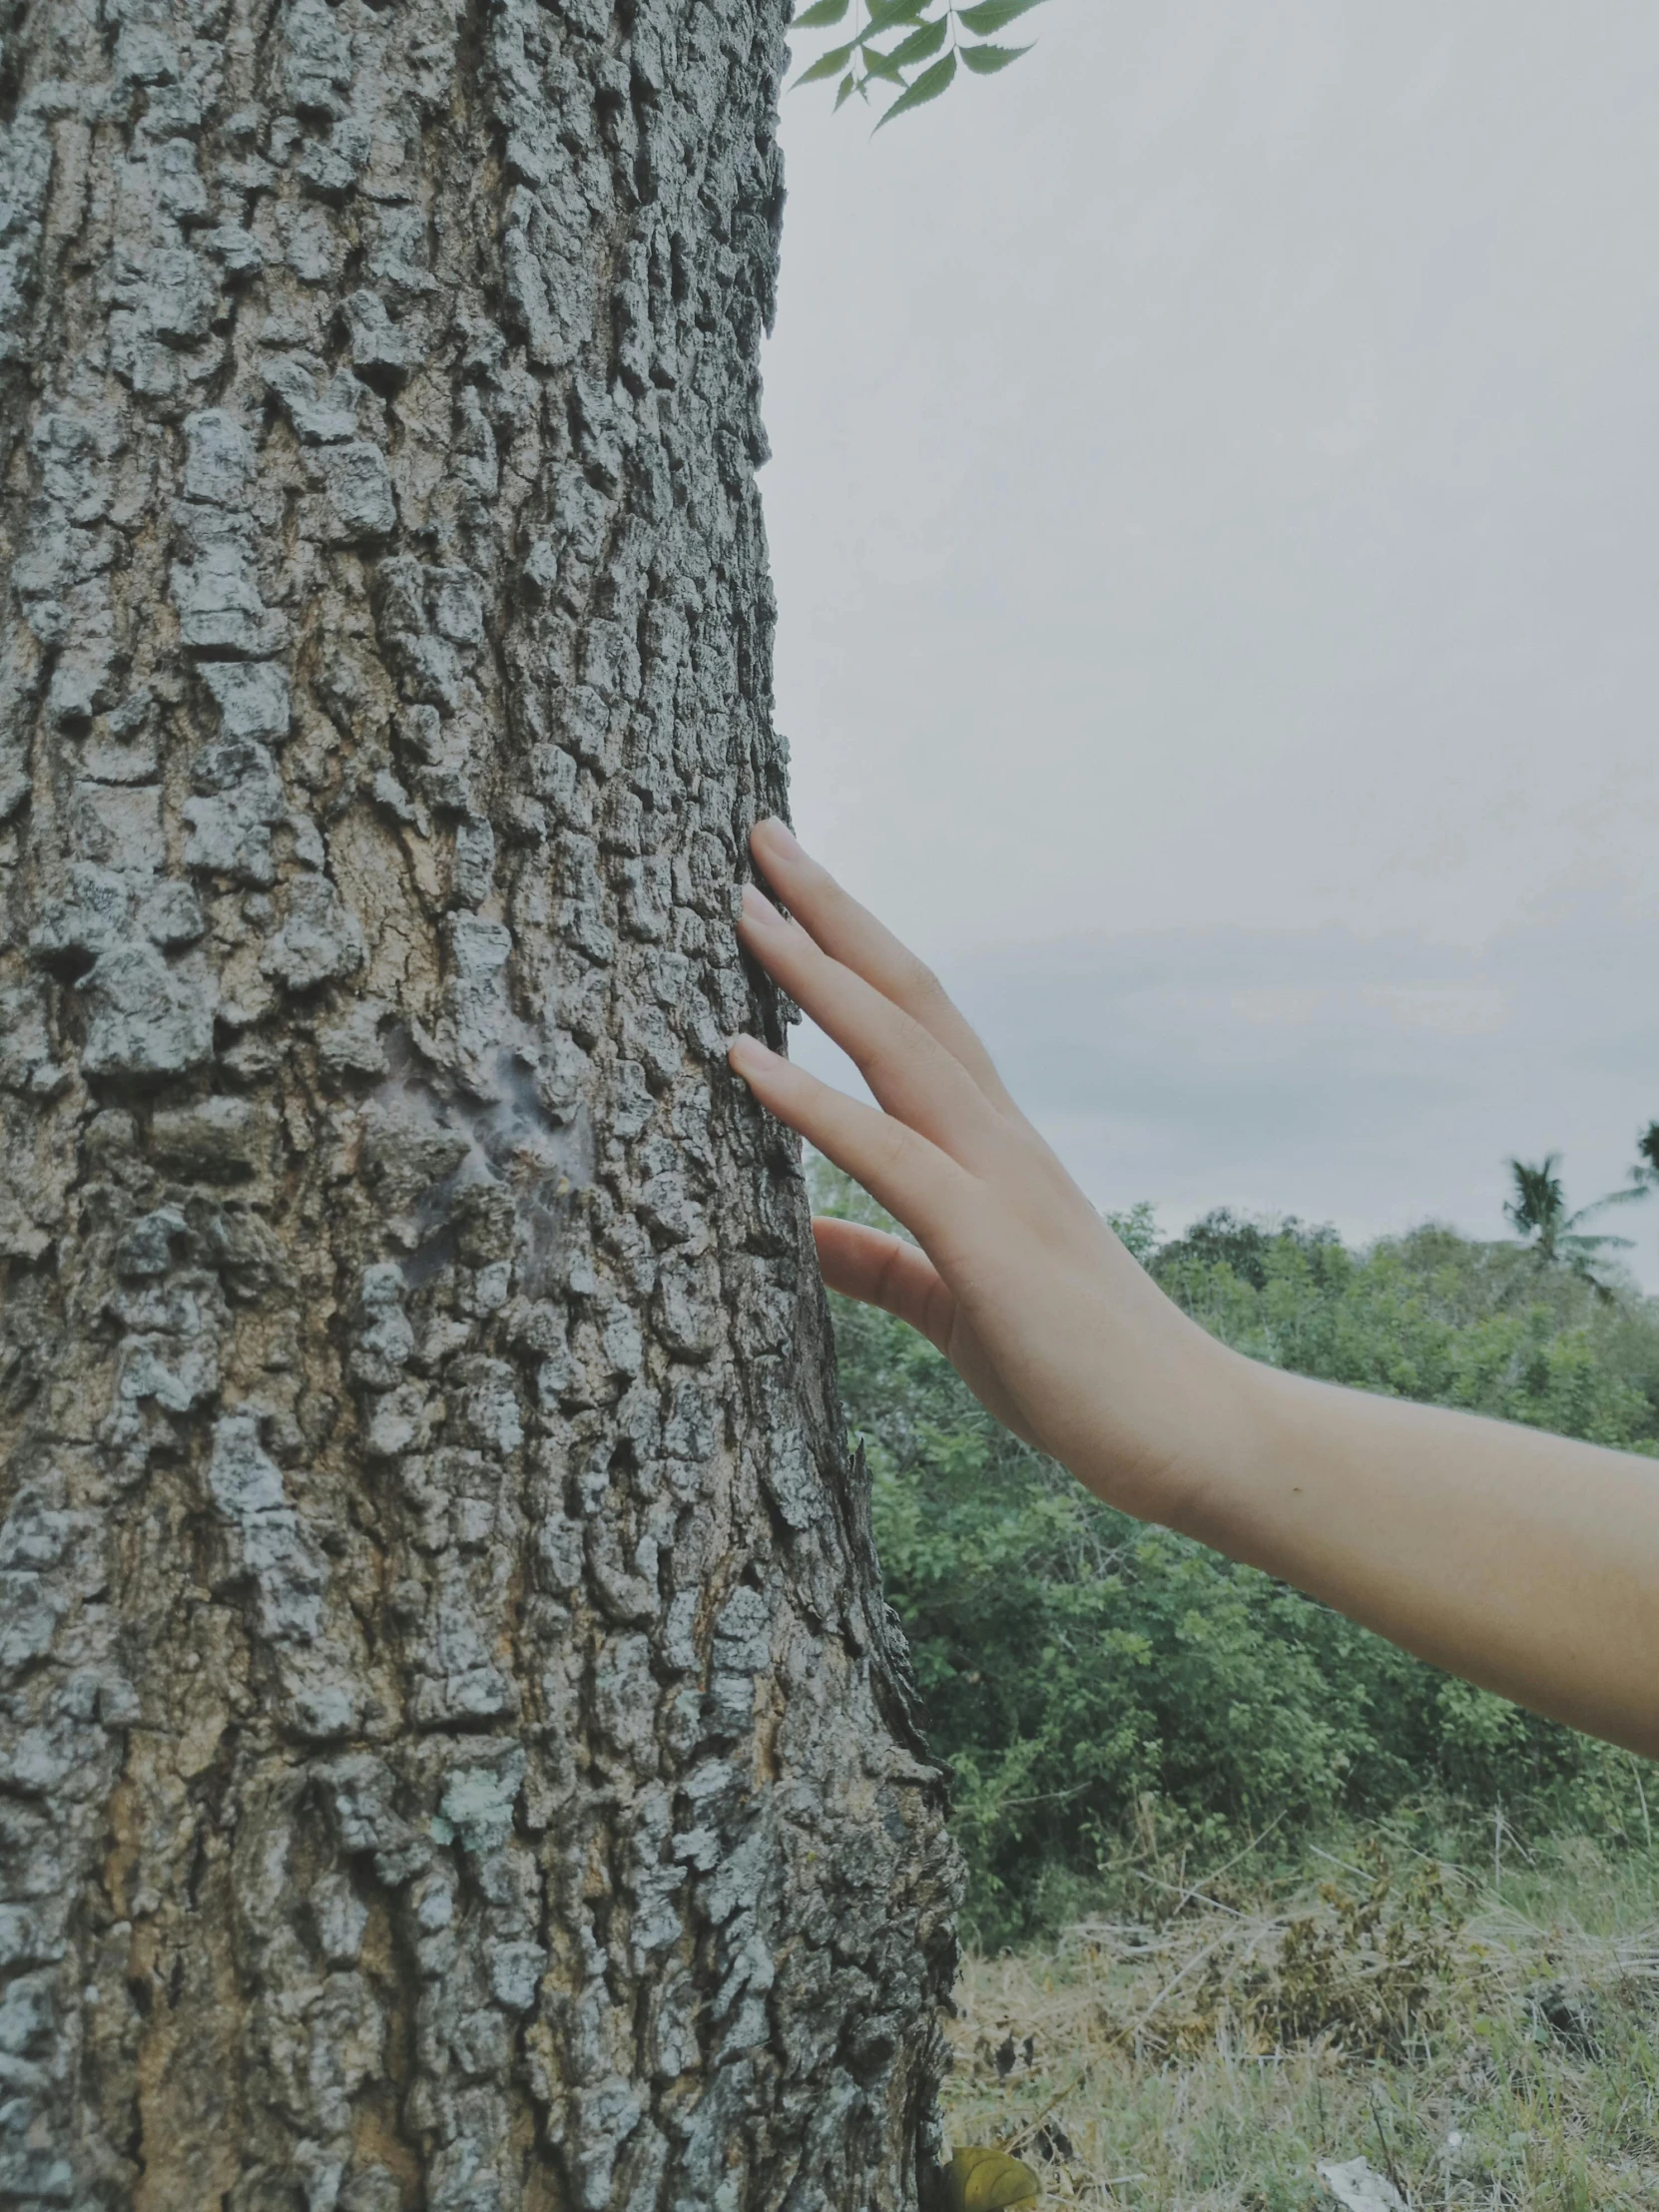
(1018, 1281)
(1525, 1561)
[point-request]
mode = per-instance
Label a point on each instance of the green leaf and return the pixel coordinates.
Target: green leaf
(882, 65)
(887, 15)
(827, 65)
(847, 89)
(985, 61)
(921, 45)
(992, 15)
(927, 86)
(819, 18)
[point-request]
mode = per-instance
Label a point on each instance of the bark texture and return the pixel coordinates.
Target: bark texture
(453, 1752)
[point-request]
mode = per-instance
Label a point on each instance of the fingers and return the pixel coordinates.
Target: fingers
(852, 934)
(910, 1072)
(885, 1271)
(917, 1183)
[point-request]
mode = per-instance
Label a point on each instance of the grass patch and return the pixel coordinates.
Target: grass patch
(1482, 2021)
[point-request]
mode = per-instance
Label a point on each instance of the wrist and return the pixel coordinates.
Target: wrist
(1186, 1443)
(1269, 1499)
(1225, 1466)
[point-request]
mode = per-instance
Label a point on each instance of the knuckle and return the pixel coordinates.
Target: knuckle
(890, 1277)
(891, 1146)
(920, 982)
(913, 1035)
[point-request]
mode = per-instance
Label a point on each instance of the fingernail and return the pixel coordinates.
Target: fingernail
(780, 834)
(757, 908)
(737, 1049)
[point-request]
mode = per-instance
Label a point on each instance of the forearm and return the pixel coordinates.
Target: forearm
(1526, 1562)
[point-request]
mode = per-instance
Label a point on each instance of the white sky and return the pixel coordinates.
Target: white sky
(1215, 510)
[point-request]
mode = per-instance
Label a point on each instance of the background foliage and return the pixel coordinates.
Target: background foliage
(1091, 1678)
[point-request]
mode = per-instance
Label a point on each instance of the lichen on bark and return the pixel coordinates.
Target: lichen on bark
(453, 1750)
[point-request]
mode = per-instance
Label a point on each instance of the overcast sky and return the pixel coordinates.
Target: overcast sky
(1215, 510)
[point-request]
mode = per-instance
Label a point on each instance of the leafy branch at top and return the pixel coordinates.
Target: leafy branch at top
(926, 49)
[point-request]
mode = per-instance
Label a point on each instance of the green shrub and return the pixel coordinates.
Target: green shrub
(1085, 1674)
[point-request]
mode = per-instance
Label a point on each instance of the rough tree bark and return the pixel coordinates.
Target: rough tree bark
(453, 1751)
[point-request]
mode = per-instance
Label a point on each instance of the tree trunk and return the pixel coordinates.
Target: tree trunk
(453, 1751)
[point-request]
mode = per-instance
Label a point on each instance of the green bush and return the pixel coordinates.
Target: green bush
(1086, 1675)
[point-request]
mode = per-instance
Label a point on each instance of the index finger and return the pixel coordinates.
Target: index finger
(851, 934)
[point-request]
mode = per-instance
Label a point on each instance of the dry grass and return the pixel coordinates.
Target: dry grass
(1490, 2044)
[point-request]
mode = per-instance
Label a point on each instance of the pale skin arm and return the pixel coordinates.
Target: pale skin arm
(1522, 1561)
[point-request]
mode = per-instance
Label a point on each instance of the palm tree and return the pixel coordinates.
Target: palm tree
(1644, 1176)
(1557, 1239)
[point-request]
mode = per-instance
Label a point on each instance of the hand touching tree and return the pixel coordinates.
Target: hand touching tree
(1522, 1561)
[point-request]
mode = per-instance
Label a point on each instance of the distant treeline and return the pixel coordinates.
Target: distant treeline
(1090, 1679)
